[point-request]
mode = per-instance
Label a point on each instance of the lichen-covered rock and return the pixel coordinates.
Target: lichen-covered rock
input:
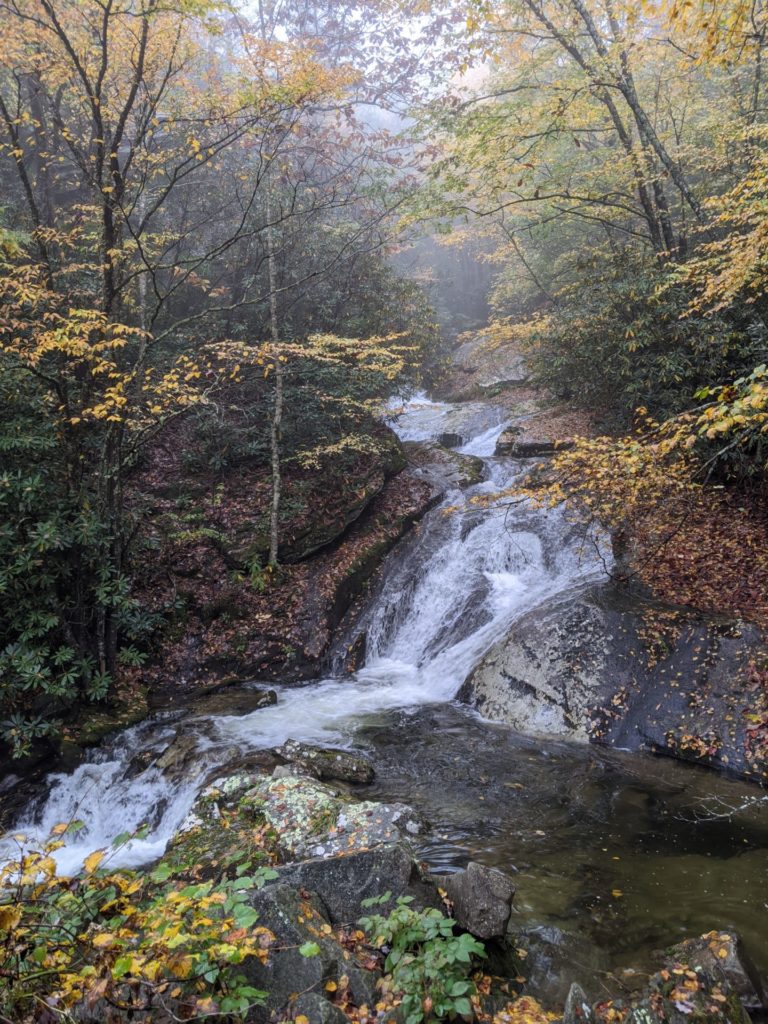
(313, 820)
(328, 763)
(482, 899)
(221, 828)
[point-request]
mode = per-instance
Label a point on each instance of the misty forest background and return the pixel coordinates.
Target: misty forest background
(231, 237)
(238, 232)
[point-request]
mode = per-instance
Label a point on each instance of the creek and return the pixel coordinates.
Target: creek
(628, 852)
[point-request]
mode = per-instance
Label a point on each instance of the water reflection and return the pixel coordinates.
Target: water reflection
(632, 852)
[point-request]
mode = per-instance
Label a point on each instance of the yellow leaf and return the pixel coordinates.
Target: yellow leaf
(9, 918)
(93, 860)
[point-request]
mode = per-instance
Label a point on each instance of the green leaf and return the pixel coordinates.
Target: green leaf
(309, 949)
(161, 873)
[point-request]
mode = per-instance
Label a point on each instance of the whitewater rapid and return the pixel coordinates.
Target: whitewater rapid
(446, 595)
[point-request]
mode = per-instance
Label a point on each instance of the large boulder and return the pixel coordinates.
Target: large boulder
(611, 666)
(343, 883)
(481, 898)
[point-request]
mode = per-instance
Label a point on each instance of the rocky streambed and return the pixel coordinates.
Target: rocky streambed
(616, 857)
(333, 848)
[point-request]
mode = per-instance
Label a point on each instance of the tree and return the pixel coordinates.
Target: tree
(119, 120)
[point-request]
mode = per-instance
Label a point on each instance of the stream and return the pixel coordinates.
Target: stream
(627, 852)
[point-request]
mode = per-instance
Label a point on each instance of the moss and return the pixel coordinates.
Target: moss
(91, 724)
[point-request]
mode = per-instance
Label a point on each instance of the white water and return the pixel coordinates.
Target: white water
(447, 594)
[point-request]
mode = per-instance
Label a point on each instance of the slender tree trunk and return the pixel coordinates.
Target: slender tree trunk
(277, 414)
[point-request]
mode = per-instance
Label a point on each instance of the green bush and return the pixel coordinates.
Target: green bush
(623, 338)
(429, 966)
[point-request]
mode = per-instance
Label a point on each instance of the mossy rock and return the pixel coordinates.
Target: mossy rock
(93, 723)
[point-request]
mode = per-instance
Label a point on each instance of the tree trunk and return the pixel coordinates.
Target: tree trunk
(277, 414)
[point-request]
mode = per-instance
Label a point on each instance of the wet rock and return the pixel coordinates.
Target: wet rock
(505, 444)
(318, 1010)
(449, 440)
(482, 899)
(139, 763)
(582, 666)
(313, 820)
(294, 919)
(355, 654)
(443, 468)
(328, 763)
(514, 442)
(577, 1008)
(721, 957)
(178, 756)
(342, 883)
(701, 981)
(241, 700)
(553, 960)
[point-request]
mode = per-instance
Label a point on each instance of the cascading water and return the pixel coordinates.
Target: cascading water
(446, 595)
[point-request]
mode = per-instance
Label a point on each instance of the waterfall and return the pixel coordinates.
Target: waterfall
(446, 595)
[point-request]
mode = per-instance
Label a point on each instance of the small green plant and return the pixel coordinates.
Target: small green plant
(428, 965)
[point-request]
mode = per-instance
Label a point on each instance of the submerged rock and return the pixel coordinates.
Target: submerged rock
(327, 763)
(482, 899)
(553, 959)
(614, 667)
